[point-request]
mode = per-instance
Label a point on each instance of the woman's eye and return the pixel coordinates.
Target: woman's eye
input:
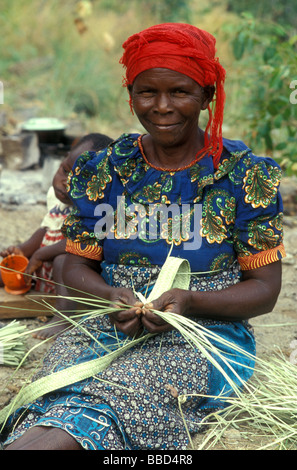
(147, 93)
(179, 92)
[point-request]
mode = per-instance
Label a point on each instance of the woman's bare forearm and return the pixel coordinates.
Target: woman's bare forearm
(255, 295)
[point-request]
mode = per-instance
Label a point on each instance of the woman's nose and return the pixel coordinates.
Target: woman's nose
(163, 103)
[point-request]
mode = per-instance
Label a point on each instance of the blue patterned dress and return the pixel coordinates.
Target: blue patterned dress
(133, 404)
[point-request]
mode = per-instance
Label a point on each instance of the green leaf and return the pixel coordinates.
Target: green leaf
(278, 121)
(281, 146)
(268, 141)
(269, 53)
(239, 45)
(273, 108)
(276, 81)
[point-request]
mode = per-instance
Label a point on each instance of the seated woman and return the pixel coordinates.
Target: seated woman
(227, 224)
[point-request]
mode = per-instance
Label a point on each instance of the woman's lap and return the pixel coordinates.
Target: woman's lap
(134, 405)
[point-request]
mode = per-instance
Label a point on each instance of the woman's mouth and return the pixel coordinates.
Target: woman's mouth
(164, 126)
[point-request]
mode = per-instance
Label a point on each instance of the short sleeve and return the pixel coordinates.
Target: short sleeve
(88, 186)
(258, 231)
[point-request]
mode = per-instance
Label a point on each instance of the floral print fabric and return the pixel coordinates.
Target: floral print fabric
(240, 206)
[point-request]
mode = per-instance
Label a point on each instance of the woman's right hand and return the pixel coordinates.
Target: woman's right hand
(126, 319)
(173, 301)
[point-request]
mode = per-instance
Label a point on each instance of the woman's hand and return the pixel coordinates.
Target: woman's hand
(128, 319)
(174, 301)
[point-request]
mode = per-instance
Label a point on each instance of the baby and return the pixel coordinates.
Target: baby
(45, 249)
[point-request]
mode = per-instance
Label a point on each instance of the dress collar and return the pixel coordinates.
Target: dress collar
(147, 185)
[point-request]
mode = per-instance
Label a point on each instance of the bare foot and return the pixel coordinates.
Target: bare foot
(54, 328)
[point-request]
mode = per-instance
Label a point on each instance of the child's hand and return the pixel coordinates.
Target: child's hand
(11, 250)
(34, 264)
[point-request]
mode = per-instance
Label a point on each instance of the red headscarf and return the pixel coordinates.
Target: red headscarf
(188, 50)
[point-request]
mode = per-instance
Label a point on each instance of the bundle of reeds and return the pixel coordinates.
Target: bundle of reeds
(12, 345)
(264, 411)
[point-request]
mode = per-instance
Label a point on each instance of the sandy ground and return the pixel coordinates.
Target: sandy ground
(21, 213)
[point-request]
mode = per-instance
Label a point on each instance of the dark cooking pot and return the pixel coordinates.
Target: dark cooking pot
(48, 130)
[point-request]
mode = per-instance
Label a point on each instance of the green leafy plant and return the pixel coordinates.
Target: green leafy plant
(265, 60)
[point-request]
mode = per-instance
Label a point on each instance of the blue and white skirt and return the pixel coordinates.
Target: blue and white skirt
(133, 404)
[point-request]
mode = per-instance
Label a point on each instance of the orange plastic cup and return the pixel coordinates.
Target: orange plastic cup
(14, 281)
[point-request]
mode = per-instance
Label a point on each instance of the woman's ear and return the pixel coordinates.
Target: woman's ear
(208, 92)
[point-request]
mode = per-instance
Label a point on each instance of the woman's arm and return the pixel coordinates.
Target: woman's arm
(255, 295)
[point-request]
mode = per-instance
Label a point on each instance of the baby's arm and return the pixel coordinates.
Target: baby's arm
(28, 247)
(45, 253)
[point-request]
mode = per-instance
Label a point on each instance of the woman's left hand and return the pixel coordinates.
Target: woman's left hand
(174, 301)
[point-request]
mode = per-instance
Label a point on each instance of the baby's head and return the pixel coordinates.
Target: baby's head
(90, 142)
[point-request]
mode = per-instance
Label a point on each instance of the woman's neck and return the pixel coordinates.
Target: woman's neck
(174, 158)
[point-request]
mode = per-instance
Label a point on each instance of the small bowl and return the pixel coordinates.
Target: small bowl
(13, 279)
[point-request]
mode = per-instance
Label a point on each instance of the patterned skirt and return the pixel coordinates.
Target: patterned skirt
(133, 404)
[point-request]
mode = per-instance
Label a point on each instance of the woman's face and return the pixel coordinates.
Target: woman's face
(168, 105)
